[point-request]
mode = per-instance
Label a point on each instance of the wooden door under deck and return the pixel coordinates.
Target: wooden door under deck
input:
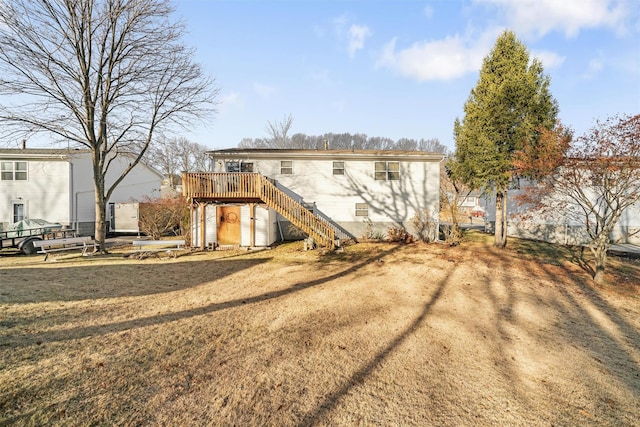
(228, 225)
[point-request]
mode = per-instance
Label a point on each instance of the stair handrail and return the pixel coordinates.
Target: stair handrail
(299, 216)
(256, 186)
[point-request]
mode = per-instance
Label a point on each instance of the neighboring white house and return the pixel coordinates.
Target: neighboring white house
(356, 192)
(57, 185)
(472, 204)
(562, 226)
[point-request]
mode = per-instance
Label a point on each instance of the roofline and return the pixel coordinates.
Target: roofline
(61, 154)
(261, 153)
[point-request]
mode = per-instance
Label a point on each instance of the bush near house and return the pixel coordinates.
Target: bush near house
(162, 216)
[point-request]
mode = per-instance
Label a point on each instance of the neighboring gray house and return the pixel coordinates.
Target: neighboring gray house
(57, 185)
(251, 196)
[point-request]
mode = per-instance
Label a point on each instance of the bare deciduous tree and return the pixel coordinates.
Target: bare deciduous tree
(279, 132)
(345, 141)
(432, 145)
(103, 74)
(451, 191)
(593, 179)
(171, 156)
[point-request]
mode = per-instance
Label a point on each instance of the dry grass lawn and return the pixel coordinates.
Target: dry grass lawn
(379, 334)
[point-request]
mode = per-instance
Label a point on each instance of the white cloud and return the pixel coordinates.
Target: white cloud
(229, 101)
(549, 59)
(595, 66)
(537, 18)
(321, 77)
(428, 11)
(357, 36)
(339, 105)
(445, 59)
(264, 90)
(318, 31)
(353, 34)
(339, 24)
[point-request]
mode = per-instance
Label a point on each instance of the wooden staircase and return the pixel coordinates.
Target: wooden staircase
(251, 187)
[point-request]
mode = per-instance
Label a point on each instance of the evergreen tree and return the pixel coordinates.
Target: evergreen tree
(510, 103)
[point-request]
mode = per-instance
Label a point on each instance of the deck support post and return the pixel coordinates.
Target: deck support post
(203, 222)
(252, 224)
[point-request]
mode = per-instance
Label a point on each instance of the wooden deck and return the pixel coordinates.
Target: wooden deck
(253, 187)
(222, 186)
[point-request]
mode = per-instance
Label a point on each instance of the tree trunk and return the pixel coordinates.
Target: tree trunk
(600, 258)
(101, 208)
(499, 235)
(454, 235)
(505, 216)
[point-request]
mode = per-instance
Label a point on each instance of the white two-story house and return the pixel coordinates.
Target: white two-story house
(57, 185)
(252, 197)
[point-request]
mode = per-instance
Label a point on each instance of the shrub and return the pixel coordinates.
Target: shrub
(399, 234)
(425, 225)
(370, 233)
(161, 216)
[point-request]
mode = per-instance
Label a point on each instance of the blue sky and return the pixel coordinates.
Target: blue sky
(401, 68)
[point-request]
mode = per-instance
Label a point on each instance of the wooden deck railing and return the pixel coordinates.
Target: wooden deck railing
(252, 186)
(207, 185)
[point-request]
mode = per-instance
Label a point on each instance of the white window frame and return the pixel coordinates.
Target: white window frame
(14, 204)
(286, 167)
(387, 171)
(14, 170)
(362, 209)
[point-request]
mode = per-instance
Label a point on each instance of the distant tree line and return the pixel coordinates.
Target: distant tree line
(343, 141)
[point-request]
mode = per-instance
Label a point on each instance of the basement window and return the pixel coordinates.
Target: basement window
(338, 168)
(286, 167)
(362, 209)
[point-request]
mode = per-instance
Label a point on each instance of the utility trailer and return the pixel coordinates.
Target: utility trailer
(23, 239)
(124, 218)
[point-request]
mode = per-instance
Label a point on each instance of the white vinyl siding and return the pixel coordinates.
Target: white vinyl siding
(245, 225)
(262, 227)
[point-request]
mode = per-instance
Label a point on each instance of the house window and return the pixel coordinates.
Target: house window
(233, 166)
(362, 209)
(286, 167)
(13, 171)
(387, 171)
(338, 168)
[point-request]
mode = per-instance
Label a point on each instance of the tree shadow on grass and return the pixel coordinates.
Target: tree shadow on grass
(613, 343)
(101, 329)
(25, 392)
(359, 376)
(75, 283)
